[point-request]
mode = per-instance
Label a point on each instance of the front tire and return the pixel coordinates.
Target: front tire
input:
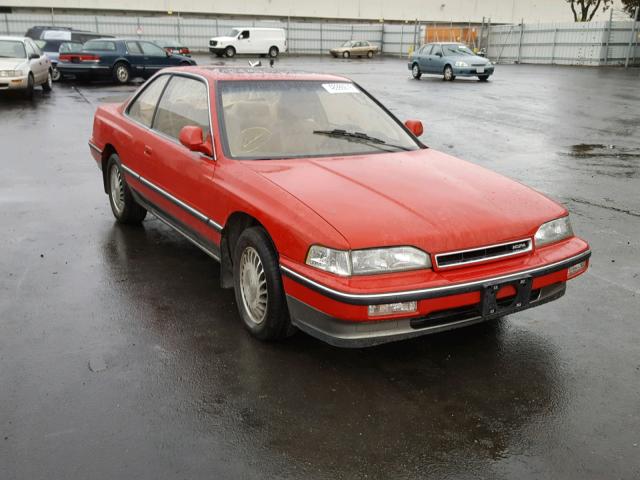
(123, 205)
(415, 71)
(230, 52)
(448, 74)
(258, 286)
(369, 54)
(346, 55)
(273, 52)
(28, 93)
(121, 73)
(56, 76)
(47, 86)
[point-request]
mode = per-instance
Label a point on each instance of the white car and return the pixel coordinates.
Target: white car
(249, 40)
(23, 66)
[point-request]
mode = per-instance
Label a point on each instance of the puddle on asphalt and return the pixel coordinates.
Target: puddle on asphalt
(601, 159)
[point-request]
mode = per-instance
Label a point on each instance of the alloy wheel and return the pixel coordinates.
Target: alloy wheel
(116, 188)
(253, 286)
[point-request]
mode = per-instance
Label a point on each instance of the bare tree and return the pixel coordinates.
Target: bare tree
(584, 10)
(630, 6)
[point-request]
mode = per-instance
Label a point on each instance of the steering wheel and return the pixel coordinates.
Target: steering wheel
(252, 138)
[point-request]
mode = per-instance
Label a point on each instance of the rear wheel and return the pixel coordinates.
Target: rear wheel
(121, 73)
(369, 54)
(448, 74)
(123, 205)
(56, 76)
(415, 71)
(230, 52)
(346, 55)
(258, 286)
(47, 86)
(273, 52)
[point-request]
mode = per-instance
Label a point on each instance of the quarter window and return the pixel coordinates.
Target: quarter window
(184, 103)
(143, 107)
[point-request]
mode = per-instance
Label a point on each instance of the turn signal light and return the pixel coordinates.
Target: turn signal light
(576, 269)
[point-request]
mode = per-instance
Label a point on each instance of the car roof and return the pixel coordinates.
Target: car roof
(214, 73)
(446, 43)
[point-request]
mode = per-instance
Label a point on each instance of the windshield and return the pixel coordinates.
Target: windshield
(293, 118)
(456, 49)
(70, 47)
(99, 46)
(12, 49)
(233, 33)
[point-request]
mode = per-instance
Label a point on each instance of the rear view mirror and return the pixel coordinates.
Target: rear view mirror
(34, 56)
(192, 138)
(438, 54)
(415, 126)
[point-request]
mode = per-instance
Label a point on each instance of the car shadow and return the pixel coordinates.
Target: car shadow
(469, 394)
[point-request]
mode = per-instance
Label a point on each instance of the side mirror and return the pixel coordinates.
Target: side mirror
(415, 127)
(192, 138)
(34, 56)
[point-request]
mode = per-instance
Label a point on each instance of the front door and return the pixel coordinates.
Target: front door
(436, 60)
(155, 57)
(244, 44)
(136, 58)
(39, 66)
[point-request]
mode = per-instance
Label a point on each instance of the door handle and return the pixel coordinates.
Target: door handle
(147, 150)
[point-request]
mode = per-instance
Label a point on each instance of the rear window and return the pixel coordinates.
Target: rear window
(100, 46)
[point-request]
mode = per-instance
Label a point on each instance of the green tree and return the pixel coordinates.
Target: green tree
(584, 10)
(630, 6)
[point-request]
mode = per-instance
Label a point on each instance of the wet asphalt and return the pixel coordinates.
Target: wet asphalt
(120, 357)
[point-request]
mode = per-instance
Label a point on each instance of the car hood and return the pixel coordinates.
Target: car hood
(475, 59)
(423, 198)
(11, 63)
(224, 39)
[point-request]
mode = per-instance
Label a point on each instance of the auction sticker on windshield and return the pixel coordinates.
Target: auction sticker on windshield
(340, 88)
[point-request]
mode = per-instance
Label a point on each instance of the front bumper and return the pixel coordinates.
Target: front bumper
(14, 83)
(217, 50)
(472, 71)
(340, 318)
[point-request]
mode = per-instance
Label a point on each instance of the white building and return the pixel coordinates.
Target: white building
(500, 11)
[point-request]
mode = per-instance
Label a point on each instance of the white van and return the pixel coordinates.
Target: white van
(255, 41)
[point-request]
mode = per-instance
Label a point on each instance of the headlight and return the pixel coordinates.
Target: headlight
(553, 231)
(462, 64)
(369, 261)
(488, 64)
(10, 73)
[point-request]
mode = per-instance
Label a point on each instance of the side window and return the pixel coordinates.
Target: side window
(152, 49)
(144, 106)
(133, 48)
(183, 103)
(436, 49)
(244, 35)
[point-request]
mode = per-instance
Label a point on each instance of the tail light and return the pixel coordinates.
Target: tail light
(184, 51)
(79, 57)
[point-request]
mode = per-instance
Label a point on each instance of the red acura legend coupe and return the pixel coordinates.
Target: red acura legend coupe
(326, 212)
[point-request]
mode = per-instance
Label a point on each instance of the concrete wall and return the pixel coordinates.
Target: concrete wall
(500, 11)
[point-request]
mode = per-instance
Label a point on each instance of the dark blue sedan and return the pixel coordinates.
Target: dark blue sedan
(118, 58)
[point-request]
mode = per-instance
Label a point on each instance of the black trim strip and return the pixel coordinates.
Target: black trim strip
(433, 292)
(200, 216)
(203, 243)
(95, 147)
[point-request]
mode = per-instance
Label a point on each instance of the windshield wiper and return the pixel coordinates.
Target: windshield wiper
(359, 137)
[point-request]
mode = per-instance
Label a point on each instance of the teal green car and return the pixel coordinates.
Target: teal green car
(450, 60)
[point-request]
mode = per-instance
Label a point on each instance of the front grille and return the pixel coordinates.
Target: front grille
(482, 254)
(213, 43)
(478, 65)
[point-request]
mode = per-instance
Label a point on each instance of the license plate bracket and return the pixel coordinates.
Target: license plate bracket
(480, 70)
(492, 307)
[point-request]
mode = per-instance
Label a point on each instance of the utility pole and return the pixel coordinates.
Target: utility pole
(632, 37)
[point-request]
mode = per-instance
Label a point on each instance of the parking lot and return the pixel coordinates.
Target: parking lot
(121, 357)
